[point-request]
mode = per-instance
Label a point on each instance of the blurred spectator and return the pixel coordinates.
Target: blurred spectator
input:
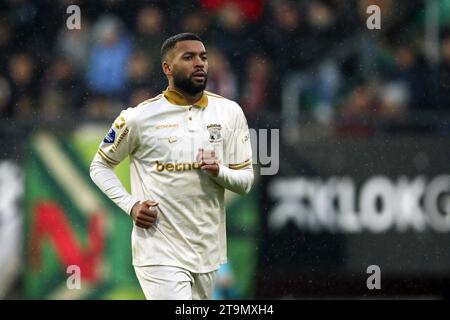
(286, 36)
(150, 31)
(221, 79)
(24, 89)
(394, 99)
(251, 9)
(32, 30)
(6, 44)
(313, 70)
(256, 86)
(94, 10)
(361, 102)
(5, 95)
(197, 22)
(232, 35)
(53, 105)
(149, 36)
(107, 70)
(322, 83)
(297, 47)
(22, 15)
(411, 73)
(75, 45)
(357, 112)
(140, 84)
(62, 89)
(139, 68)
(102, 108)
(139, 95)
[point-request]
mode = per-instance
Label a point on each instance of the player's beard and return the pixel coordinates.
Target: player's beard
(187, 84)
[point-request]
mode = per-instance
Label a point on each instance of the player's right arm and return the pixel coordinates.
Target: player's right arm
(121, 140)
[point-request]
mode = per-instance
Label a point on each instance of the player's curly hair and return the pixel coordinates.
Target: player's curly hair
(171, 42)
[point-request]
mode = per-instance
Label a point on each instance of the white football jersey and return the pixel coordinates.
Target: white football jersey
(162, 136)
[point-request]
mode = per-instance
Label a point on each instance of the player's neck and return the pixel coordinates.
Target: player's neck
(190, 99)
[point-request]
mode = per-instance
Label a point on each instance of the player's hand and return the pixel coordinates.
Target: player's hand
(144, 213)
(208, 161)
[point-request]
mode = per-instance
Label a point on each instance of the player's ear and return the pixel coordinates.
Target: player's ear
(167, 68)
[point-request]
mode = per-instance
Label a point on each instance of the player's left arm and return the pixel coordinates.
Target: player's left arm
(236, 173)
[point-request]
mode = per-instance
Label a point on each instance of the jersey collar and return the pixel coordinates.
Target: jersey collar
(178, 99)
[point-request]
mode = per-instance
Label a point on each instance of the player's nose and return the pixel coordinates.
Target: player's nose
(199, 62)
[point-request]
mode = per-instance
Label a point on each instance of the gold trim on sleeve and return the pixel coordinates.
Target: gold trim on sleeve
(107, 159)
(240, 165)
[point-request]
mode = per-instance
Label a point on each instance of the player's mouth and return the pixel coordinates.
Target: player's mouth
(199, 75)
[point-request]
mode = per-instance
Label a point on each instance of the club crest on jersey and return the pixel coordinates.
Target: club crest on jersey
(110, 136)
(215, 133)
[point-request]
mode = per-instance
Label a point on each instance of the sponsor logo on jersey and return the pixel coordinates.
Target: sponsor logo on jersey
(166, 125)
(215, 133)
(110, 136)
(176, 166)
(121, 137)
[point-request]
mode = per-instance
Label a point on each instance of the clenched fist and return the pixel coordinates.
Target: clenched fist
(144, 213)
(208, 161)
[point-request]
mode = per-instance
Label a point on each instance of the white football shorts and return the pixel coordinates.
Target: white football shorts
(175, 283)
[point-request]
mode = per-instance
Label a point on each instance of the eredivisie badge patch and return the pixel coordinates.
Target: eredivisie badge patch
(110, 136)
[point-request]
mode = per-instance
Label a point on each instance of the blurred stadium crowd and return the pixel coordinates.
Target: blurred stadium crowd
(275, 57)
